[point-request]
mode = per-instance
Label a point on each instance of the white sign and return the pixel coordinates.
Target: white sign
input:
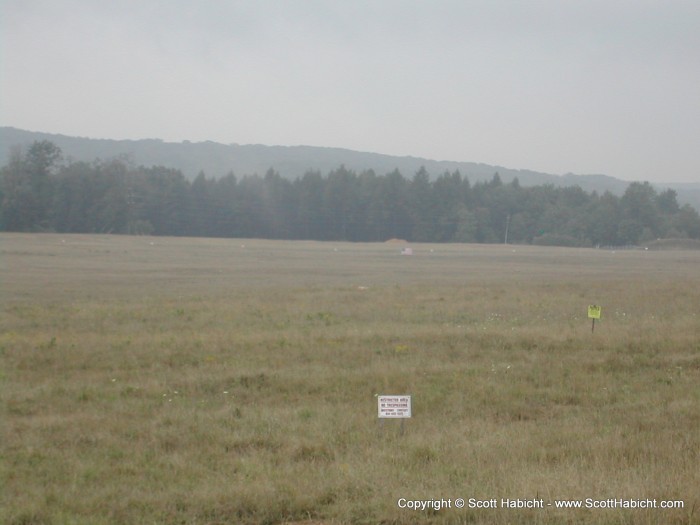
(394, 406)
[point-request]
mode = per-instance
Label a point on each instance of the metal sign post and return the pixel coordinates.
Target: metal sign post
(593, 314)
(394, 407)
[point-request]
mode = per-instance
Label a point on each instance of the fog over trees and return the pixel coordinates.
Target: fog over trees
(40, 193)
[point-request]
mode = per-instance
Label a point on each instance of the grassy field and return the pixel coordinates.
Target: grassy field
(199, 381)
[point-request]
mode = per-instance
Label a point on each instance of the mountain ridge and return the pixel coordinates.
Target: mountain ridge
(216, 160)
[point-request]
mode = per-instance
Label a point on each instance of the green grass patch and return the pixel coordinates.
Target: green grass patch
(242, 388)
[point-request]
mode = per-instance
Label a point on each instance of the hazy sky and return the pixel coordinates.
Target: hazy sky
(558, 86)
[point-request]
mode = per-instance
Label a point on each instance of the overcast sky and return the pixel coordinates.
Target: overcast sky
(557, 86)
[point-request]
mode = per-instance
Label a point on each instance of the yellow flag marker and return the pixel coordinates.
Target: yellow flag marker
(593, 314)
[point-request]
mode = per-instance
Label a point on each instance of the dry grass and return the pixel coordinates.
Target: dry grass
(196, 381)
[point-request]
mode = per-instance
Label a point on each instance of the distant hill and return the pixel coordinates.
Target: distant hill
(217, 160)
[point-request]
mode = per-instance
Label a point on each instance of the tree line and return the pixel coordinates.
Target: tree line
(38, 192)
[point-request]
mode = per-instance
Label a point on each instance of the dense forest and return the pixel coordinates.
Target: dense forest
(38, 192)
